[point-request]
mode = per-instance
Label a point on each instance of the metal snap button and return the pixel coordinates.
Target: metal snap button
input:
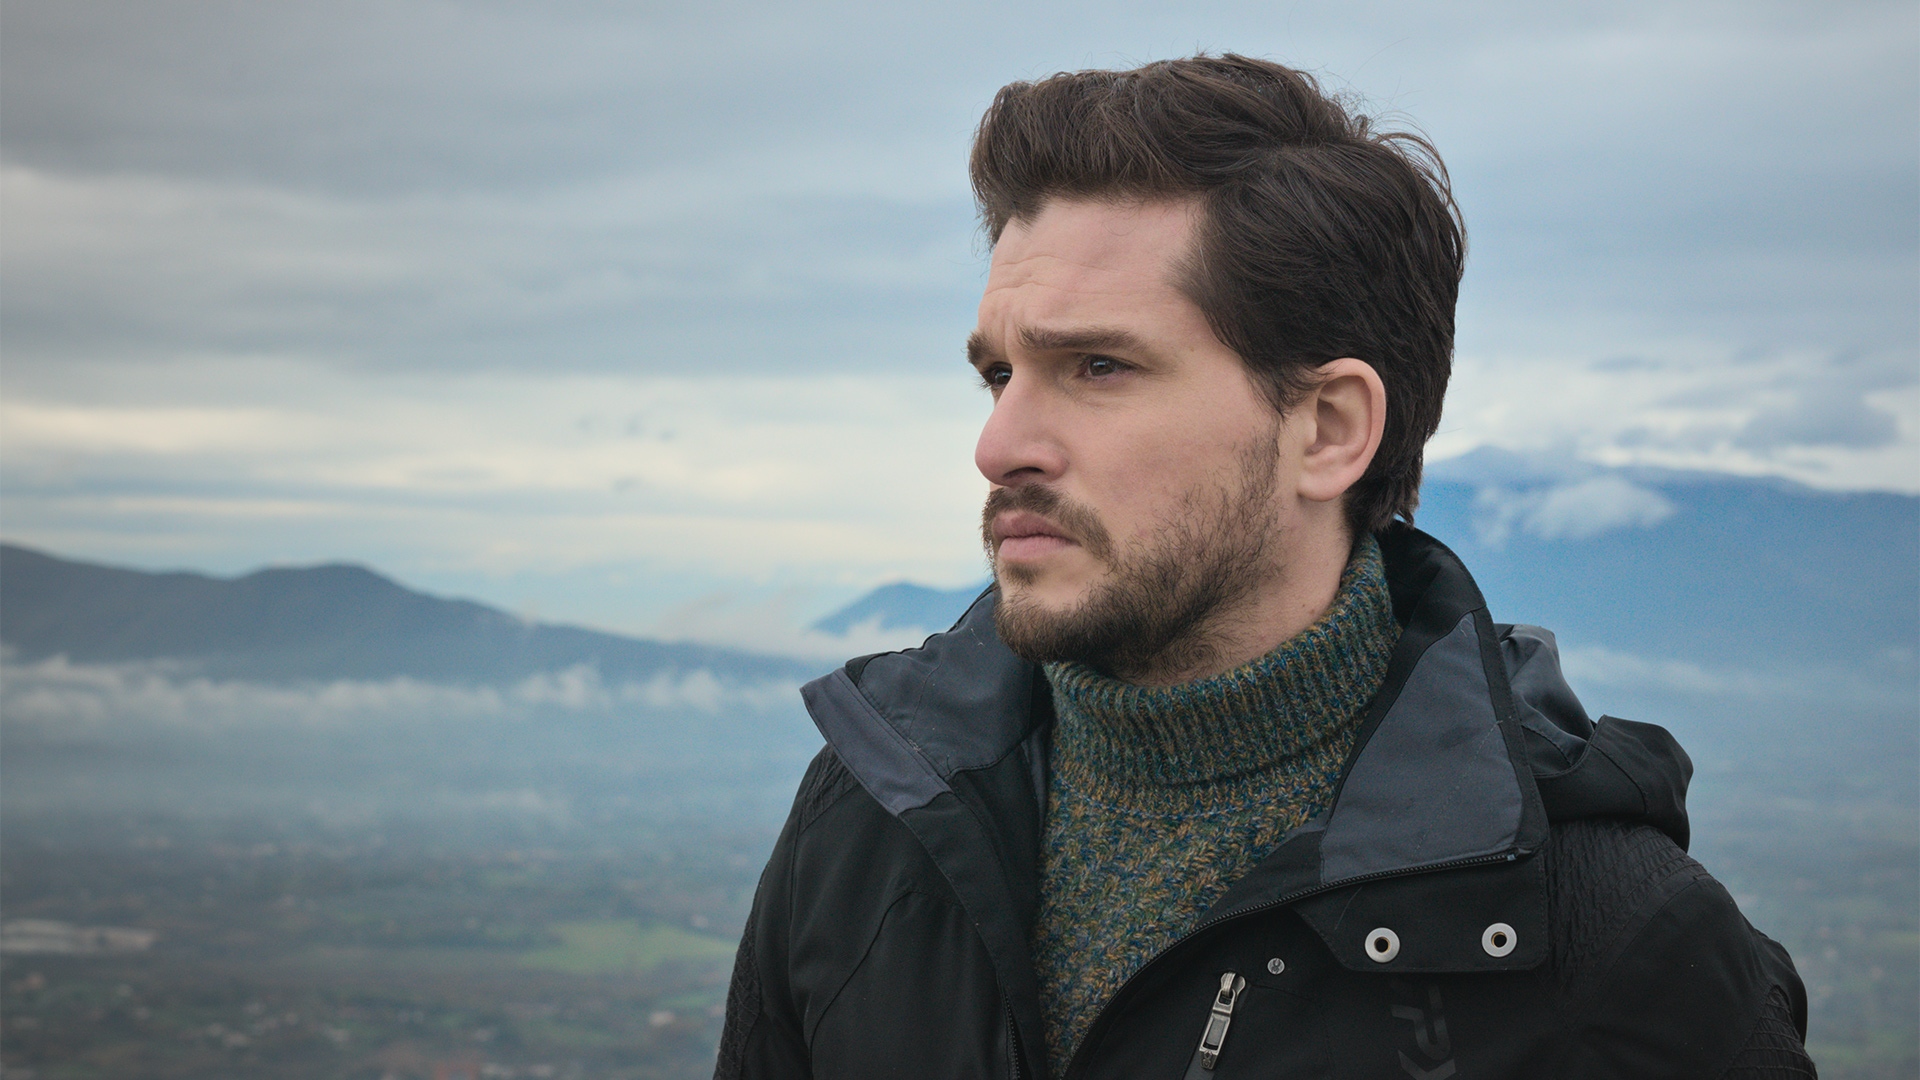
(1498, 939)
(1382, 945)
(1276, 965)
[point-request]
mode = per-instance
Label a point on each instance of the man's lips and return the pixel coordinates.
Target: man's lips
(1021, 524)
(1029, 521)
(1021, 534)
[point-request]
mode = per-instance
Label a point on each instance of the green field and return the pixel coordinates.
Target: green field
(614, 946)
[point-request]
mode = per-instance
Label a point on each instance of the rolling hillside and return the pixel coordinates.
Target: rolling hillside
(315, 623)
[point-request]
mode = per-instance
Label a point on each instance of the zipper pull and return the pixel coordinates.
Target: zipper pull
(1217, 1021)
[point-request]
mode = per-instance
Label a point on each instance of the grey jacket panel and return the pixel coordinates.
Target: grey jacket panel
(1396, 811)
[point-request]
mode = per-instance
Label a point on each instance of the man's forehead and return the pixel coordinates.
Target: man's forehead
(1089, 276)
(1096, 236)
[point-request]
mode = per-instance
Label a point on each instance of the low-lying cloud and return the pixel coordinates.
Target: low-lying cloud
(1577, 511)
(55, 700)
(1885, 685)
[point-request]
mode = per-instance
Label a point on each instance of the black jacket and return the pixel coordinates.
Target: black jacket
(1499, 889)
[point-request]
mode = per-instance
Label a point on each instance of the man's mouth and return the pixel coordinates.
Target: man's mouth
(1023, 524)
(1022, 534)
(1029, 522)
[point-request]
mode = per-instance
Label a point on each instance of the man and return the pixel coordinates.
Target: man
(1231, 774)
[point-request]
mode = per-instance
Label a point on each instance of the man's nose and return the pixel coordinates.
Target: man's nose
(1020, 443)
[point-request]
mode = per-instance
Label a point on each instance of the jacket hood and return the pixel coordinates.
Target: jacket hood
(1585, 768)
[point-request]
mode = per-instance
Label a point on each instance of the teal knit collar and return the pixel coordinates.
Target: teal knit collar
(1117, 741)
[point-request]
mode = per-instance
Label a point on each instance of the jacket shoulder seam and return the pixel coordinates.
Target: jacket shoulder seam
(827, 781)
(1594, 886)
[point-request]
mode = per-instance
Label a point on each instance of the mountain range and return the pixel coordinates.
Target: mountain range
(902, 605)
(317, 623)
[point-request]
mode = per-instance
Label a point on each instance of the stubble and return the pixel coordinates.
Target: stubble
(1158, 608)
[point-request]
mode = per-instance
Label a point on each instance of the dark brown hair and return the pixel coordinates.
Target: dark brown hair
(1320, 237)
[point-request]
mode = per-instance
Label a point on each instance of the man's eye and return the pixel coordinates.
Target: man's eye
(1101, 366)
(994, 378)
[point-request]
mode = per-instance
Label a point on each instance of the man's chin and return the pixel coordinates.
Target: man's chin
(1036, 624)
(1036, 592)
(1016, 580)
(1125, 626)
(1059, 579)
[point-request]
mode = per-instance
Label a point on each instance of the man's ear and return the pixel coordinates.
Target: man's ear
(1348, 411)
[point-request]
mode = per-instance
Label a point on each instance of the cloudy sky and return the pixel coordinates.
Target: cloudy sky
(649, 316)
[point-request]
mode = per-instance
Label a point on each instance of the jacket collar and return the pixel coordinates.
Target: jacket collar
(1443, 776)
(905, 723)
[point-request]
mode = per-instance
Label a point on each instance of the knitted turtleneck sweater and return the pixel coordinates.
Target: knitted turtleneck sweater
(1162, 797)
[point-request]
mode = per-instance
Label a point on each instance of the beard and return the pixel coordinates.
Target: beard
(1157, 609)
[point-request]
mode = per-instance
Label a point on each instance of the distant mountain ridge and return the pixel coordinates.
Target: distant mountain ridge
(1752, 574)
(902, 605)
(1731, 570)
(335, 621)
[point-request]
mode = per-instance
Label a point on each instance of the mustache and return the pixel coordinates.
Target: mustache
(1083, 524)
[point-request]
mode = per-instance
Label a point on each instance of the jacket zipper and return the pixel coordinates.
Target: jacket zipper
(1281, 901)
(1219, 1018)
(1013, 1045)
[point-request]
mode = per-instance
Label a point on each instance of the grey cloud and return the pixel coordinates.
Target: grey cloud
(1828, 405)
(754, 287)
(1629, 363)
(1720, 173)
(454, 96)
(592, 185)
(372, 97)
(1823, 416)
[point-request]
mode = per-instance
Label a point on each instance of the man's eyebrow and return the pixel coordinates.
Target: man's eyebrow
(1080, 339)
(978, 351)
(1092, 339)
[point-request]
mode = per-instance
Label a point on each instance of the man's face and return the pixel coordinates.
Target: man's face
(1140, 482)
